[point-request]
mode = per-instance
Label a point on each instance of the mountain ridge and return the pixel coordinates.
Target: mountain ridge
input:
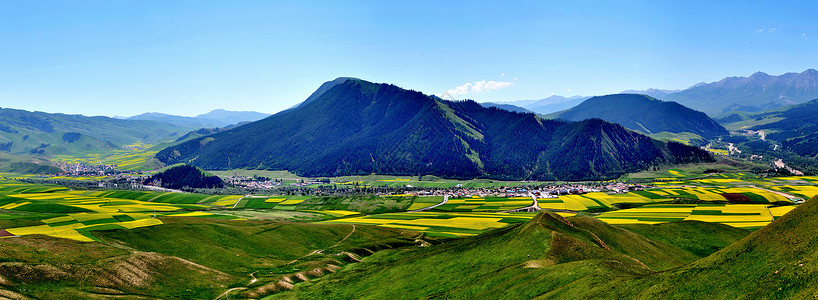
(359, 127)
(645, 114)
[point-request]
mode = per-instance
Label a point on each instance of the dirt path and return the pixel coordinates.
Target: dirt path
(228, 291)
(445, 199)
(254, 279)
(237, 201)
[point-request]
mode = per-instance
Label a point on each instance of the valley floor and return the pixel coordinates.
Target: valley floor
(165, 244)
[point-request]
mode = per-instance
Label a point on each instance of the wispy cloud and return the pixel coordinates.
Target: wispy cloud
(767, 30)
(476, 87)
(804, 36)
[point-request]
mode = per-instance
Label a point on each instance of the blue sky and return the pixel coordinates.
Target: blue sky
(189, 57)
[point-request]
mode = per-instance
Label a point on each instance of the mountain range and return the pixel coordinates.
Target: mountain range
(359, 127)
(645, 114)
(755, 93)
(214, 119)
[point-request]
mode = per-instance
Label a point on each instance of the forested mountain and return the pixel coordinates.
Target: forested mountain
(645, 114)
(25, 132)
(213, 119)
(359, 127)
(755, 93)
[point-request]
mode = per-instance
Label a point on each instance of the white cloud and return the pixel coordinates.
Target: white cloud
(502, 74)
(767, 30)
(476, 87)
(569, 90)
(515, 78)
(804, 36)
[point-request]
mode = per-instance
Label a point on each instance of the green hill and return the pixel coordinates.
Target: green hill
(185, 177)
(185, 258)
(645, 114)
(39, 133)
(549, 255)
(779, 261)
(357, 127)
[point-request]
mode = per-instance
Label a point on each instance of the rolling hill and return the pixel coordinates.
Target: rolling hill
(359, 127)
(645, 114)
(582, 258)
(547, 257)
(39, 133)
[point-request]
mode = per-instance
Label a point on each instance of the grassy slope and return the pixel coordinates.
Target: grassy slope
(777, 261)
(187, 257)
(53, 268)
(520, 262)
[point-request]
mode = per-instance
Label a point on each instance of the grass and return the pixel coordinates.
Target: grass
(524, 261)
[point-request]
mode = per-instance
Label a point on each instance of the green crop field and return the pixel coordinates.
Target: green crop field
(442, 224)
(477, 203)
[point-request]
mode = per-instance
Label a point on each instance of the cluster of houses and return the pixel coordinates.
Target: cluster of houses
(81, 169)
(551, 191)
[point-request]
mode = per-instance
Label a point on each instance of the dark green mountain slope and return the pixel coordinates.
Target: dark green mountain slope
(25, 132)
(797, 131)
(794, 128)
(358, 127)
(645, 114)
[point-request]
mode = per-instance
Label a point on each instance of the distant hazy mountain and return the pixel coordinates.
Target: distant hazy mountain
(214, 119)
(25, 132)
(178, 120)
(655, 93)
(507, 107)
(548, 105)
(226, 117)
(646, 114)
(359, 127)
(755, 93)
